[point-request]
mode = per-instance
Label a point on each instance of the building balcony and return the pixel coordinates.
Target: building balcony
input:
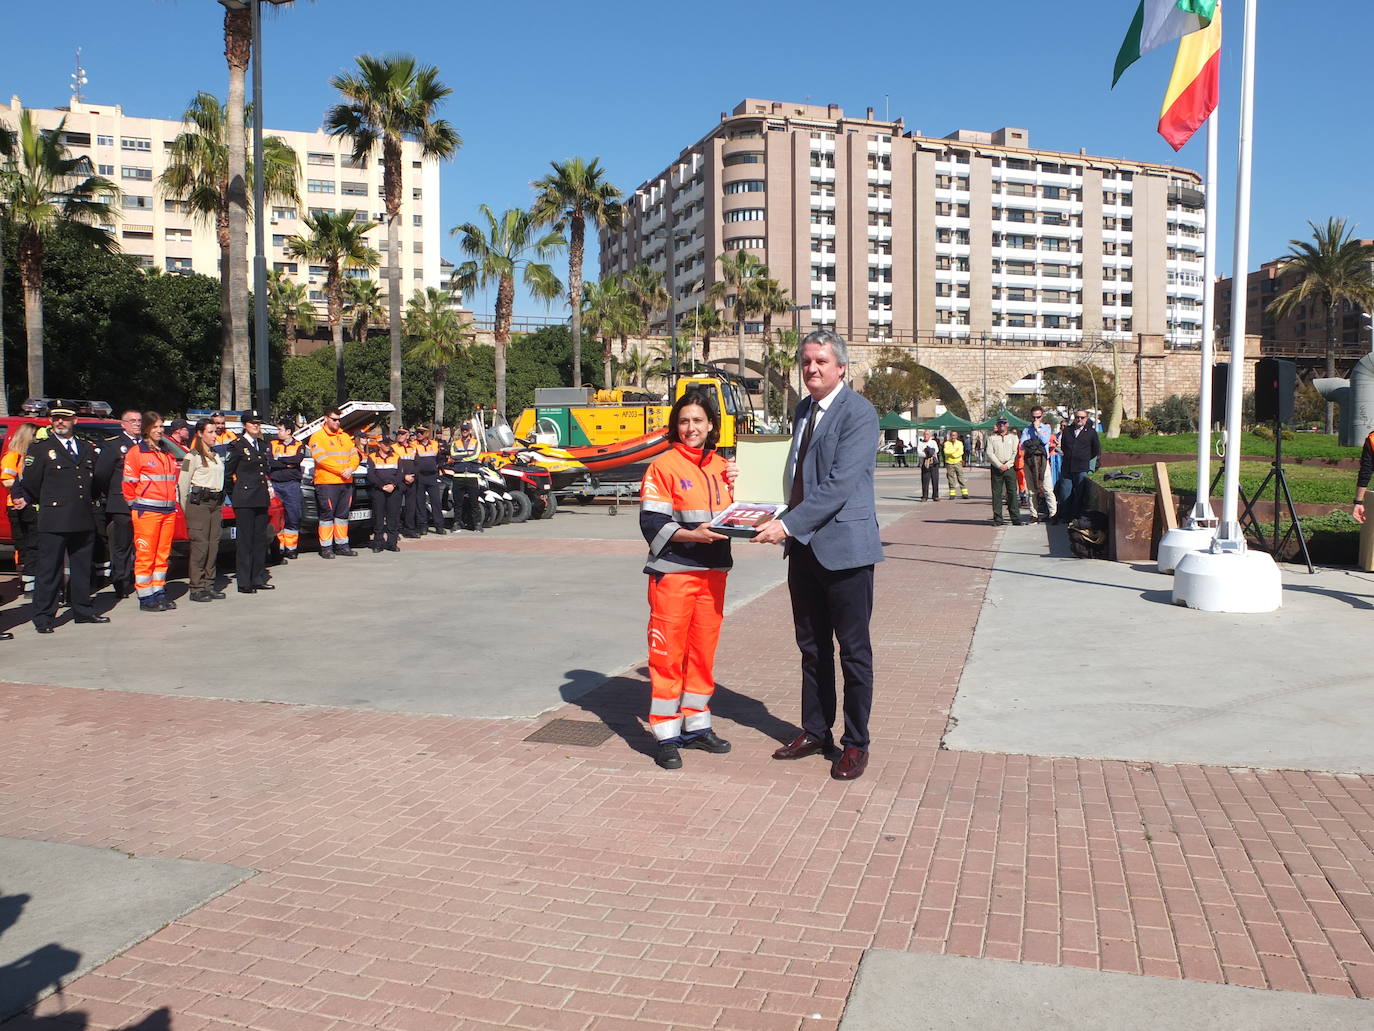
(881, 176)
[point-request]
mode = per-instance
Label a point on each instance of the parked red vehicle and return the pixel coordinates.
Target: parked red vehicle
(94, 423)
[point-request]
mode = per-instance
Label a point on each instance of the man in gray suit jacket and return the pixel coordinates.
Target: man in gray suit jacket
(830, 532)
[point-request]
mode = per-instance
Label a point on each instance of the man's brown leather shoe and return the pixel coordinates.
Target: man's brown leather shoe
(801, 746)
(850, 765)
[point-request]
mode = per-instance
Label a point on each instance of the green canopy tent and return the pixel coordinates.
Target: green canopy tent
(1014, 421)
(893, 421)
(946, 422)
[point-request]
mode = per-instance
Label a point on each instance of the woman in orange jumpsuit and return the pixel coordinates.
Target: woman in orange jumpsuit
(687, 566)
(150, 488)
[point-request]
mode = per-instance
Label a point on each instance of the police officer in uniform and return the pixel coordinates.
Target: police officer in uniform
(465, 473)
(429, 497)
(109, 481)
(59, 473)
(405, 450)
(248, 467)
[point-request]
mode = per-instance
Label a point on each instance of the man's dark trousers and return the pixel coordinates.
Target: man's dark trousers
(429, 502)
(78, 547)
(119, 530)
(832, 604)
(250, 533)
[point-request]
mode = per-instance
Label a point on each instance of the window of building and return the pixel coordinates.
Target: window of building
(143, 260)
(285, 266)
(417, 273)
(177, 207)
(745, 186)
(181, 265)
(132, 202)
(317, 296)
(822, 159)
(419, 247)
(353, 189)
(280, 213)
(135, 143)
(280, 239)
(76, 139)
(744, 215)
(104, 141)
(319, 186)
(135, 172)
(133, 232)
(178, 235)
(319, 270)
(105, 170)
(879, 246)
(319, 158)
(317, 212)
(880, 218)
(748, 157)
(417, 220)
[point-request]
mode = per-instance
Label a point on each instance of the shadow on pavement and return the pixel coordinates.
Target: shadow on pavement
(26, 980)
(623, 702)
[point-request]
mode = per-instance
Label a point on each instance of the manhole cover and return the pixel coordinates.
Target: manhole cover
(572, 732)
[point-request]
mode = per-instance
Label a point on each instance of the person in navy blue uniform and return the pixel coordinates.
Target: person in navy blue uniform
(59, 474)
(385, 478)
(119, 526)
(247, 466)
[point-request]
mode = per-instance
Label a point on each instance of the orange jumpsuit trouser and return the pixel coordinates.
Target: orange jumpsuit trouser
(152, 545)
(685, 612)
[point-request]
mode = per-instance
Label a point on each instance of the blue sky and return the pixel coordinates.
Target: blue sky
(634, 83)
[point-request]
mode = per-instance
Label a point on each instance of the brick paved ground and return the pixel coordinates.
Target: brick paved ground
(433, 873)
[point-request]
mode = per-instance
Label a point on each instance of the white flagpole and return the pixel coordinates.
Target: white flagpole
(1201, 515)
(1229, 536)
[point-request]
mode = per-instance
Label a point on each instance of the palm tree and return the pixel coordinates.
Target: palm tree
(704, 323)
(635, 365)
(496, 252)
(646, 289)
(660, 361)
(741, 276)
(288, 304)
(43, 188)
(438, 334)
(609, 312)
(198, 174)
(390, 100)
(576, 191)
(1334, 267)
(336, 242)
(364, 304)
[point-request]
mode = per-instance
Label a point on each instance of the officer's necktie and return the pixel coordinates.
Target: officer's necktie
(798, 491)
(71, 446)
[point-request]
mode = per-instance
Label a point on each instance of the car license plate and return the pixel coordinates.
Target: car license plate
(360, 513)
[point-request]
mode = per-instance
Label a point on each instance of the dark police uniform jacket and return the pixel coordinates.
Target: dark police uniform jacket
(248, 465)
(62, 485)
(109, 472)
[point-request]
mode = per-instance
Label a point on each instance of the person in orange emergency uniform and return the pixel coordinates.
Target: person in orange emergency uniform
(285, 472)
(336, 459)
(150, 488)
(687, 566)
(23, 514)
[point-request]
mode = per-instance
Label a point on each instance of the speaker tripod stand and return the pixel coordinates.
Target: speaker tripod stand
(1249, 522)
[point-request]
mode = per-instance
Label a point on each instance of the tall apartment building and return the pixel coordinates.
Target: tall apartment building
(1304, 328)
(159, 232)
(887, 234)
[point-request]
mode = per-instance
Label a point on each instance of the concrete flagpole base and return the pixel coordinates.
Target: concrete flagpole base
(1228, 581)
(1180, 541)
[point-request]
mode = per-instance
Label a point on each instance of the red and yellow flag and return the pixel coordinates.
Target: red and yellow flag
(1193, 88)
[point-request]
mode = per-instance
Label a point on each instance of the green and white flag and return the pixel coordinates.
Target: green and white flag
(1158, 22)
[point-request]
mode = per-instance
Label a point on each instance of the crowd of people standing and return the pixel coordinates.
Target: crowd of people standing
(1042, 470)
(82, 512)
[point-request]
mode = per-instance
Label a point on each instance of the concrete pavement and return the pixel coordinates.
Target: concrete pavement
(430, 870)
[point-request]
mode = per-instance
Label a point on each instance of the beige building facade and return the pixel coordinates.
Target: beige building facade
(889, 235)
(159, 232)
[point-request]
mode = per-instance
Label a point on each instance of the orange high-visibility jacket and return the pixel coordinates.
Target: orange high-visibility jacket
(11, 468)
(150, 479)
(335, 455)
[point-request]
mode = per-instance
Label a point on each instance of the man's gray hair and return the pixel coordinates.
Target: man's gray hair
(826, 338)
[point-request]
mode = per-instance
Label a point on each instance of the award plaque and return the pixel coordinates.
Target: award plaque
(744, 518)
